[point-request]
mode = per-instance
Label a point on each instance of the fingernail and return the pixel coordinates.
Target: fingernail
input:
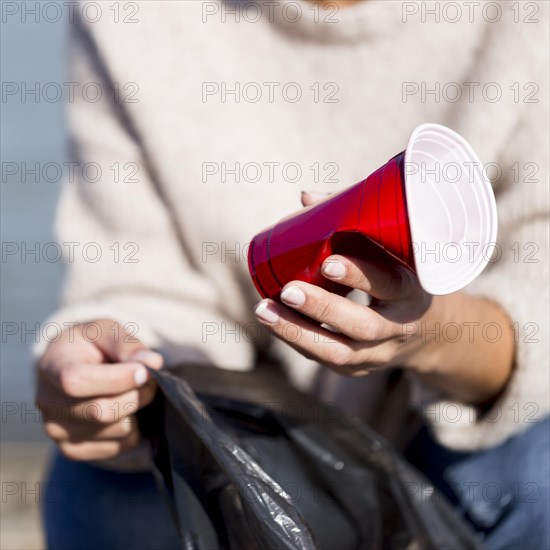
(152, 359)
(293, 296)
(330, 328)
(334, 269)
(316, 195)
(265, 313)
(140, 376)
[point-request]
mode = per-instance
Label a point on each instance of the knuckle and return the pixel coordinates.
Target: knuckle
(97, 411)
(68, 382)
(124, 428)
(384, 356)
(74, 452)
(55, 431)
(409, 330)
(340, 356)
(357, 330)
(323, 310)
(372, 330)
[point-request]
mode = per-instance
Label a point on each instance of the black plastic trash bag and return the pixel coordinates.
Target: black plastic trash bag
(246, 461)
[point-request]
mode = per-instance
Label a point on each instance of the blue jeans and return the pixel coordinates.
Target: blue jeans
(90, 508)
(503, 492)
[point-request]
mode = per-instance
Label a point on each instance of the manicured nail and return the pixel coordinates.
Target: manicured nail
(334, 269)
(293, 296)
(140, 376)
(150, 358)
(316, 195)
(330, 328)
(265, 312)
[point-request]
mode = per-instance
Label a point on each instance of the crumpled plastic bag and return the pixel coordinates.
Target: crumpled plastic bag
(246, 461)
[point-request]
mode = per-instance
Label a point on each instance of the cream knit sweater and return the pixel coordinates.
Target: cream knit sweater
(173, 221)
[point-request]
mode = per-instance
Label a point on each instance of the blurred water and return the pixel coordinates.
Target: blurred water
(31, 132)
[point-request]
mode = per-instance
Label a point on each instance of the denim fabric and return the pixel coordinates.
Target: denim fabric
(89, 508)
(503, 492)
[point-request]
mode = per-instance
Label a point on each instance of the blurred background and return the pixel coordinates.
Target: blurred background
(32, 135)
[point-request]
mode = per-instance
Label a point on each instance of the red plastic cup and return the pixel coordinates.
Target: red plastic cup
(430, 208)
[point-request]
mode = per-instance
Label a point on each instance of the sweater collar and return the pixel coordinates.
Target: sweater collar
(307, 20)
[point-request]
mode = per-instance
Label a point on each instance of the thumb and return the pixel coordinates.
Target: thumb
(311, 197)
(149, 358)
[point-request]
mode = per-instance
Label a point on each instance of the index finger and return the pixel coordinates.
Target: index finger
(79, 380)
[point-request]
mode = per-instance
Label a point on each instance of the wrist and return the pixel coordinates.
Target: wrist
(465, 346)
(427, 347)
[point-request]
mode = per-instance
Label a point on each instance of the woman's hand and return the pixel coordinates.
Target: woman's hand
(347, 336)
(403, 326)
(90, 383)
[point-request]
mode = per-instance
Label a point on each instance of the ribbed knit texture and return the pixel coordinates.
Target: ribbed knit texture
(190, 286)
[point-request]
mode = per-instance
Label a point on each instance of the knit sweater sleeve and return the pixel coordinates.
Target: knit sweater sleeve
(124, 256)
(516, 278)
